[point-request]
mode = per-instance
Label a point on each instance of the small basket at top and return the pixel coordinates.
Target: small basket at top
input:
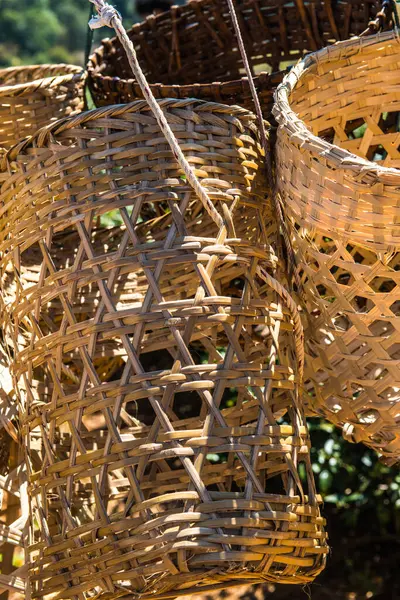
(338, 173)
(33, 96)
(191, 51)
(129, 493)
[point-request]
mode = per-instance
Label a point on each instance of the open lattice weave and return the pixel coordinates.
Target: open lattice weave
(130, 493)
(13, 495)
(12, 522)
(33, 96)
(191, 51)
(344, 213)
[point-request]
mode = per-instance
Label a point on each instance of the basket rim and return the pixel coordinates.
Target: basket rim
(71, 72)
(149, 24)
(298, 131)
(115, 110)
(265, 79)
(186, 89)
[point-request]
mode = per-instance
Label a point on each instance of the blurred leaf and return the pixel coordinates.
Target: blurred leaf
(332, 498)
(325, 481)
(213, 458)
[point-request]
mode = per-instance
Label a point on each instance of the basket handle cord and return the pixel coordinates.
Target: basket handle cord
(89, 38)
(110, 17)
(268, 165)
(265, 143)
(387, 13)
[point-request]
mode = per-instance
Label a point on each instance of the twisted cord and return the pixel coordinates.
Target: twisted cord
(110, 17)
(266, 146)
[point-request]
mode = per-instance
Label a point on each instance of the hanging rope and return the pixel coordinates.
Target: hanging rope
(266, 146)
(89, 38)
(110, 17)
(395, 13)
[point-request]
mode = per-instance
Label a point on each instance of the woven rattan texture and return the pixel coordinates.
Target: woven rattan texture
(13, 496)
(130, 493)
(33, 96)
(344, 215)
(12, 577)
(183, 52)
(13, 574)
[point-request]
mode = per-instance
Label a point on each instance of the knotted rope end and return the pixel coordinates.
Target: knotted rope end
(105, 16)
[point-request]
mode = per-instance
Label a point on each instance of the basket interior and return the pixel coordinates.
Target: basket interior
(18, 75)
(354, 102)
(357, 105)
(197, 43)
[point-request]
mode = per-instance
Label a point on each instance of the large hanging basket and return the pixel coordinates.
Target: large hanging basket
(129, 493)
(191, 51)
(338, 173)
(33, 96)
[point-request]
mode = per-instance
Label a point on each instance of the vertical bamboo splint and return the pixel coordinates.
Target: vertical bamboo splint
(30, 97)
(191, 51)
(13, 521)
(338, 172)
(129, 494)
(13, 497)
(33, 96)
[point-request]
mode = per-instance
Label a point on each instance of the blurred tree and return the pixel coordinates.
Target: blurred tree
(49, 31)
(40, 31)
(29, 27)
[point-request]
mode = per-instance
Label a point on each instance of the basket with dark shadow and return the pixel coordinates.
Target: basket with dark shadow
(191, 51)
(185, 466)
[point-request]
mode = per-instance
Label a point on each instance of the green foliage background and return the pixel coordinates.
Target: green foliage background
(362, 496)
(41, 31)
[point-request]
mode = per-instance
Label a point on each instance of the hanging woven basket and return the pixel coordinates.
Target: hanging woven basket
(191, 51)
(338, 173)
(130, 494)
(33, 96)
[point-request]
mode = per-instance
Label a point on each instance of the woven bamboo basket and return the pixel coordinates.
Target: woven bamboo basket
(130, 494)
(32, 96)
(191, 51)
(338, 172)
